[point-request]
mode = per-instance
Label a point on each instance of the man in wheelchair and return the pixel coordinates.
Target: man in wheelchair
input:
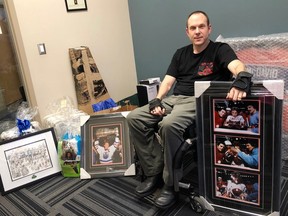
(202, 60)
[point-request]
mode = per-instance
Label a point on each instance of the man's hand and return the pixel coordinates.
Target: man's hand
(235, 150)
(235, 94)
(158, 111)
(240, 87)
(156, 107)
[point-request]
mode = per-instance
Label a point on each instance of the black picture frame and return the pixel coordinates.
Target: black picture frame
(75, 5)
(28, 159)
(106, 150)
(267, 96)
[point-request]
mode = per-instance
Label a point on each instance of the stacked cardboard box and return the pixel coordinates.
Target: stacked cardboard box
(9, 77)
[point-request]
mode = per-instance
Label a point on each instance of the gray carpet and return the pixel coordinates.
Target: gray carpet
(72, 196)
(107, 196)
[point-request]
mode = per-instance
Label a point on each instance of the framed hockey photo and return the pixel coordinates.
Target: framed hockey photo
(106, 148)
(27, 159)
(242, 137)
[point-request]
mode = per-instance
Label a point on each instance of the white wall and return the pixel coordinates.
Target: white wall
(104, 28)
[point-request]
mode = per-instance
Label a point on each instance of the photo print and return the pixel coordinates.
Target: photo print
(28, 159)
(238, 186)
(240, 152)
(106, 145)
(237, 116)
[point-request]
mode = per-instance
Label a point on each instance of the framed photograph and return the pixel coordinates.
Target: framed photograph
(242, 139)
(28, 159)
(106, 148)
(75, 5)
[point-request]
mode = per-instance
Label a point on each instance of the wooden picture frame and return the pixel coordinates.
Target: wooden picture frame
(75, 5)
(27, 159)
(106, 150)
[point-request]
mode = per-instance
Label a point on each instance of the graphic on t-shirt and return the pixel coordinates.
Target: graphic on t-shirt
(205, 69)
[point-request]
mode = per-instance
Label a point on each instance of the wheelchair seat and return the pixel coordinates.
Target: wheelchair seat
(184, 162)
(187, 149)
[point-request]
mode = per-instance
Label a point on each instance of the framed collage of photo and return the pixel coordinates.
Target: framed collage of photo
(239, 146)
(106, 148)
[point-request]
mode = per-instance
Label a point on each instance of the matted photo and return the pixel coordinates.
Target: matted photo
(237, 186)
(105, 147)
(237, 116)
(237, 151)
(27, 159)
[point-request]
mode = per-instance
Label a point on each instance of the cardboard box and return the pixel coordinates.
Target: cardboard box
(9, 78)
(89, 85)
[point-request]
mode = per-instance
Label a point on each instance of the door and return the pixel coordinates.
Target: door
(11, 88)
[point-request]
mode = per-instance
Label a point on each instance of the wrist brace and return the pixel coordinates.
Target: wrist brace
(155, 103)
(243, 81)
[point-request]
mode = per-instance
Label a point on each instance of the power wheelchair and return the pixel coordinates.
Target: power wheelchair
(184, 162)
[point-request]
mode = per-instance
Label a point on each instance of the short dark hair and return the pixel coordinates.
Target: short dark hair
(252, 143)
(219, 108)
(198, 12)
(254, 105)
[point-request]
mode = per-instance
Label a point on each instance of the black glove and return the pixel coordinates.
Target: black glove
(155, 103)
(243, 81)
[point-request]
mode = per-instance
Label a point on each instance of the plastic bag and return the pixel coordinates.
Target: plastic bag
(23, 123)
(65, 119)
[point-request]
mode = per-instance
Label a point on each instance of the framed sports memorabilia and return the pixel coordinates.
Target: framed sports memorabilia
(106, 148)
(28, 159)
(239, 146)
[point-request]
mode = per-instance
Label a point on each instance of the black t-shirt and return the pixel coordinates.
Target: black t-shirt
(209, 65)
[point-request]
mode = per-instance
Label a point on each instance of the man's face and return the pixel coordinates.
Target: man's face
(234, 113)
(106, 145)
(249, 147)
(250, 109)
(197, 29)
(222, 113)
(221, 147)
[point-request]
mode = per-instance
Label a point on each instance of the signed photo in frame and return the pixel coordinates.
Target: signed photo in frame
(106, 150)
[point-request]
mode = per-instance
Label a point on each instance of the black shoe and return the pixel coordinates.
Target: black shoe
(166, 198)
(148, 186)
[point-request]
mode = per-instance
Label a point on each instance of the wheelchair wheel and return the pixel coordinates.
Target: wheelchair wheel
(197, 204)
